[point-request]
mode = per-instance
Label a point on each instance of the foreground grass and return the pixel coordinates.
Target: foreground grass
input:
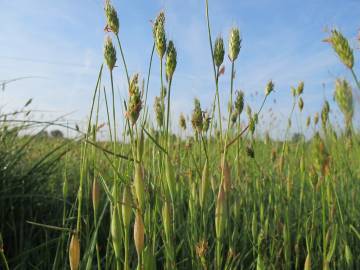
(221, 198)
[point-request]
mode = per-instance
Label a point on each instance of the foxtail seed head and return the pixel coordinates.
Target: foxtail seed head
(159, 35)
(197, 116)
(74, 252)
(219, 51)
(343, 97)
(182, 122)
(300, 88)
(112, 19)
(135, 104)
(159, 112)
(342, 48)
(109, 53)
(170, 63)
(269, 88)
(234, 44)
(139, 233)
(301, 104)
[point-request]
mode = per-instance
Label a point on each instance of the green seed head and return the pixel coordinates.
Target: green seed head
(300, 88)
(301, 104)
(182, 122)
(109, 53)
(234, 44)
(308, 121)
(170, 63)
(197, 116)
(343, 97)
(206, 122)
(342, 48)
(316, 118)
(159, 112)
(135, 104)
(269, 88)
(159, 35)
(239, 101)
(112, 19)
(219, 51)
(325, 113)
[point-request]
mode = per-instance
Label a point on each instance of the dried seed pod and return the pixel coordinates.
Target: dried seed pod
(109, 53)
(74, 252)
(219, 51)
(234, 44)
(139, 233)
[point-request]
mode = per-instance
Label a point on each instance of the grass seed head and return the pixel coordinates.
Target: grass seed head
(159, 111)
(300, 88)
(112, 19)
(135, 103)
(219, 51)
(171, 60)
(269, 88)
(182, 122)
(234, 44)
(159, 35)
(109, 53)
(301, 104)
(197, 116)
(343, 97)
(342, 48)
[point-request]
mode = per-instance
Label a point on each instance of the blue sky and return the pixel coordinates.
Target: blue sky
(60, 43)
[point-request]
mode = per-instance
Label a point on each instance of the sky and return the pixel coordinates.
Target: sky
(59, 44)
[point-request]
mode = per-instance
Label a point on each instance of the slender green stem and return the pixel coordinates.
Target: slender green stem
(123, 60)
(355, 78)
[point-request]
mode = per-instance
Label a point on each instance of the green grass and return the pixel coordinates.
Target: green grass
(223, 198)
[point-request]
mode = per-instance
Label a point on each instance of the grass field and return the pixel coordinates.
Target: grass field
(152, 198)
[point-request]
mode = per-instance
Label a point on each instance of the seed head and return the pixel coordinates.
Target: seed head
(342, 48)
(239, 101)
(74, 252)
(135, 104)
(197, 116)
(300, 88)
(112, 19)
(301, 104)
(308, 121)
(206, 121)
(325, 113)
(234, 44)
(109, 53)
(219, 51)
(159, 111)
(170, 63)
(159, 35)
(182, 122)
(269, 88)
(343, 97)
(316, 118)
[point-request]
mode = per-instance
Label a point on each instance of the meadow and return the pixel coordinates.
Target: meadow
(152, 198)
